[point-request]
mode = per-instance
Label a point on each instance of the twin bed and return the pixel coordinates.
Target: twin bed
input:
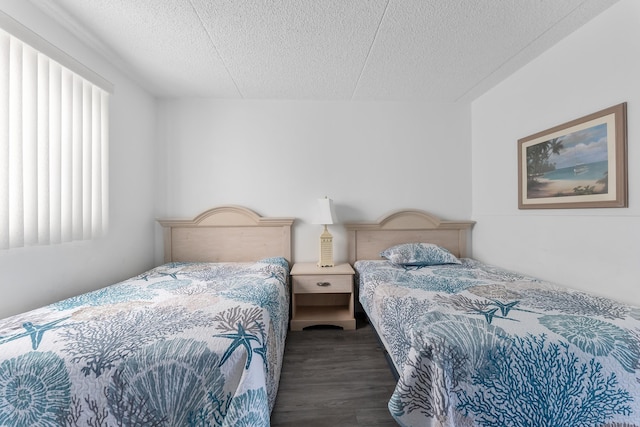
(476, 345)
(199, 340)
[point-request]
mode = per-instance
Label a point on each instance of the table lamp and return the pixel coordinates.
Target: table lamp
(326, 215)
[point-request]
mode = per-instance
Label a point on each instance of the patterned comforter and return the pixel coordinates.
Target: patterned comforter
(475, 345)
(184, 344)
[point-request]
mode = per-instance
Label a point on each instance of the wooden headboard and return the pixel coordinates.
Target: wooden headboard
(368, 239)
(226, 233)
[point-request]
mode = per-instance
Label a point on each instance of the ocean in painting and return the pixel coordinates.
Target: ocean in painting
(587, 172)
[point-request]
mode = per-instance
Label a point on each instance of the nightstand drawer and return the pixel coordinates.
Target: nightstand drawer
(319, 284)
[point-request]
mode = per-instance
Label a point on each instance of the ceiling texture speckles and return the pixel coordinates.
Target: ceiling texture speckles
(362, 50)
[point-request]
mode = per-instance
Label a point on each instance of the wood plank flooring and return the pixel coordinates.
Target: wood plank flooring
(335, 378)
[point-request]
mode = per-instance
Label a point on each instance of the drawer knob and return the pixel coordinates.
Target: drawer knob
(323, 283)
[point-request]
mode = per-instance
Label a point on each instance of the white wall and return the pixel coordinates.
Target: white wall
(32, 277)
(278, 157)
(591, 249)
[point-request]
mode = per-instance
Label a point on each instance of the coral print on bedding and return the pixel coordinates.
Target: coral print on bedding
(184, 344)
(475, 345)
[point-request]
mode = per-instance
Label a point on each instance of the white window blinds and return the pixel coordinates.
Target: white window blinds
(53, 150)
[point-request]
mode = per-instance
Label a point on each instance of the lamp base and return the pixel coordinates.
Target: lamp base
(326, 249)
(326, 264)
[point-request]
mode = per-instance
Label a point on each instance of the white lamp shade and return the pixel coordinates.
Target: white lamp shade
(325, 213)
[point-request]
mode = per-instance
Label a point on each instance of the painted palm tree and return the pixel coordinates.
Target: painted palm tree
(538, 157)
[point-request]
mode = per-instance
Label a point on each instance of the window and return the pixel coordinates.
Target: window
(53, 143)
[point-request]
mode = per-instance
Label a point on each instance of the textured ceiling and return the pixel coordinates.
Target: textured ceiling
(430, 50)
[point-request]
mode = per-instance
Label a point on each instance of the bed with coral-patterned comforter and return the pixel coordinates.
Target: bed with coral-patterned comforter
(184, 344)
(476, 345)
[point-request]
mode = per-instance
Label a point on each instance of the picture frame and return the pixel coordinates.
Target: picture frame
(578, 164)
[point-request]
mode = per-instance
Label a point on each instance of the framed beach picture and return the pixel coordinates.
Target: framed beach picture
(579, 164)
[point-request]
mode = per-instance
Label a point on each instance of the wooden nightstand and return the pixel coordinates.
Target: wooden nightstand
(322, 296)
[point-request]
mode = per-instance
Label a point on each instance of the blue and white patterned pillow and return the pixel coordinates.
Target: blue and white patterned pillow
(412, 254)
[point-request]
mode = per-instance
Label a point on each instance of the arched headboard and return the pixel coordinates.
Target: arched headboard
(368, 239)
(226, 233)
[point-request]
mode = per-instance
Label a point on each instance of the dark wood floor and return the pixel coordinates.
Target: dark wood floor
(332, 377)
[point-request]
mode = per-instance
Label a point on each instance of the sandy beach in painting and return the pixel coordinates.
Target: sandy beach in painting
(563, 187)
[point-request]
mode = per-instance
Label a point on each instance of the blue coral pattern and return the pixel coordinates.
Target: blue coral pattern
(477, 345)
(183, 344)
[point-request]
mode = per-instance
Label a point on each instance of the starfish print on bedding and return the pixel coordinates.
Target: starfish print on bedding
(241, 338)
(488, 314)
(36, 332)
(505, 308)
